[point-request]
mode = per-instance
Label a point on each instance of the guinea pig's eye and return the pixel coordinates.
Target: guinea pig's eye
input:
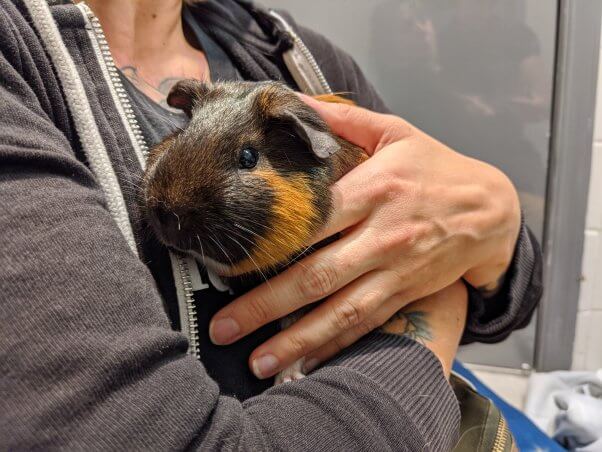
(248, 158)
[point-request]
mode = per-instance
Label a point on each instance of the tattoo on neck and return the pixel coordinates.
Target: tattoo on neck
(166, 84)
(157, 93)
(413, 324)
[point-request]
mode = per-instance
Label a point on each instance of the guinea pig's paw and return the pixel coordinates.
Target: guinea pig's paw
(291, 373)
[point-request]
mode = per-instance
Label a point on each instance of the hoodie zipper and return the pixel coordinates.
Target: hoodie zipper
(192, 327)
(124, 102)
(103, 51)
(297, 65)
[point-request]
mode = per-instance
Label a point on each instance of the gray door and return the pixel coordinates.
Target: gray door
(476, 74)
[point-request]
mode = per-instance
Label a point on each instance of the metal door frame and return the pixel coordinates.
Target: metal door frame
(576, 70)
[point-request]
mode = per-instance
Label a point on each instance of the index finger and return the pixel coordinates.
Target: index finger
(364, 128)
(315, 277)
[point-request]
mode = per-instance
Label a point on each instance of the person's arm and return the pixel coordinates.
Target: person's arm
(436, 321)
(87, 356)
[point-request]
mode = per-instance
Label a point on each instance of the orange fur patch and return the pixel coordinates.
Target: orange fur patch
(293, 223)
(334, 99)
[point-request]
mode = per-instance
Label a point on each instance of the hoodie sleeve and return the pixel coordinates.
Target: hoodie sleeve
(87, 356)
(489, 320)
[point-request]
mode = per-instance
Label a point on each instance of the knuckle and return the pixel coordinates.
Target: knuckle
(404, 238)
(399, 277)
(375, 240)
(366, 327)
(319, 279)
(386, 182)
(397, 129)
(338, 345)
(347, 315)
(389, 188)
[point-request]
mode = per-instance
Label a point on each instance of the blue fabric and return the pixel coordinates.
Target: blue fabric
(528, 437)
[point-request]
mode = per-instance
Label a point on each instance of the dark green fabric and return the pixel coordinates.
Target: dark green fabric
(482, 426)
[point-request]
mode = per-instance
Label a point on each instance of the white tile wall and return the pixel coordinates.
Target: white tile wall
(593, 357)
(587, 351)
(581, 339)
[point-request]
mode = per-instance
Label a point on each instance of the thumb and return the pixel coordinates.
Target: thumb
(364, 128)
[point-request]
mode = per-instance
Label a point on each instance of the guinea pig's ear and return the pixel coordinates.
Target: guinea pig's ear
(185, 94)
(322, 143)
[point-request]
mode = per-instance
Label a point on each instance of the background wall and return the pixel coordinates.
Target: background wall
(587, 352)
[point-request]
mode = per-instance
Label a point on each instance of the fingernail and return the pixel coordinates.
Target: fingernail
(265, 366)
(223, 331)
(310, 365)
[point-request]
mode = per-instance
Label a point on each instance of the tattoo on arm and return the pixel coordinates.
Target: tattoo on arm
(413, 324)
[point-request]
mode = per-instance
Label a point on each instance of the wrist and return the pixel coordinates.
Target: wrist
(500, 222)
(436, 321)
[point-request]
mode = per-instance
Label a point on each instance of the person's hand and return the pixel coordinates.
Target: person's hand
(415, 217)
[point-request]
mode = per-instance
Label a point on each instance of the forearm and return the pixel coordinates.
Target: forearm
(436, 321)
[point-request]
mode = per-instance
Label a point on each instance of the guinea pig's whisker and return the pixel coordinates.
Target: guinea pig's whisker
(247, 230)
(247, 239)
(274, 261)
(201, 244)
(132, 183)
(251, 258)
(221, 248)
(177, 216)
(299, 256)
(262, 225)
(130, 180)
(276, 236)
(258, 245)
(238, 234)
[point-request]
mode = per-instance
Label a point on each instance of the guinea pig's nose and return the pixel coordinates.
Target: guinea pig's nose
(164, 215)
(169, 219)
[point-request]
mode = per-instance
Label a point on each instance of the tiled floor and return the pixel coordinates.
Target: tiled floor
(509, 384)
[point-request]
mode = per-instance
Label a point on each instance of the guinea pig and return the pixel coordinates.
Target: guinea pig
(246, 185)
